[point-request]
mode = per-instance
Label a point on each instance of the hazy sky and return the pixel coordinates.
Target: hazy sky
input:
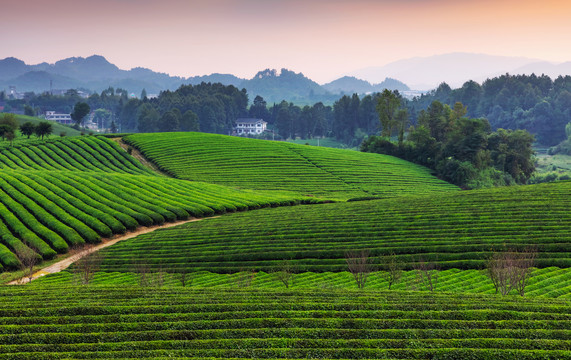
(324, 39)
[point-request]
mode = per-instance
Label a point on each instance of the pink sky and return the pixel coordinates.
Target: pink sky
(324, 39)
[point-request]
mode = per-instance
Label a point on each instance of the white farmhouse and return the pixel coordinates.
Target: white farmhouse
(250, 126)
(60, 118)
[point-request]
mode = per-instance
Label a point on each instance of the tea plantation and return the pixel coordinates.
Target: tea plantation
(211, 289)
(458, 230)
(267, 165)
(551, 282)
(133, 322)
(64, 193)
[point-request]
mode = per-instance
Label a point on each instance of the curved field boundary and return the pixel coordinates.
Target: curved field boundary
(456, 231)
(65, 263)
(50, 212)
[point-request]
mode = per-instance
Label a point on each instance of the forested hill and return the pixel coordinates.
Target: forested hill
(537, 104)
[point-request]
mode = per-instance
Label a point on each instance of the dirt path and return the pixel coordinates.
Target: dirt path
(65, 263)
(137, 155)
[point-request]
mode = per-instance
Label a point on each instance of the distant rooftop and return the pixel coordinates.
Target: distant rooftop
(248, 121)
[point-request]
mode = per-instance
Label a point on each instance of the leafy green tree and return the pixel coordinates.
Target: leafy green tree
(148, 118)
(284, 120)
(259, 109)
(388, 106)
(169, 122)
(44, 128)
(29, 111)
(436, 118)
(144, 94)
(9, 120)
(10, 136)
(80, 111)
(102, 117)
(4, 130)
(189, 122)
(512, 152)
(27, 129)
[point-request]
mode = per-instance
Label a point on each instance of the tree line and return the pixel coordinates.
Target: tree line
(460, 149)
(534, 103)
(9, 126)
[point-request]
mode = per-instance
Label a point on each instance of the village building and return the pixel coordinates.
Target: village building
(60, 118)
(250, 126)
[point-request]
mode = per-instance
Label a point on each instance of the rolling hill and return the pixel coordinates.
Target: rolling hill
(266, 165)
(455, 230)
(65, 193)
(211, 289)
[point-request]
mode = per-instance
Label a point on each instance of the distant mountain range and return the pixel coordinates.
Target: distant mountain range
(425, 73)
(95, 73)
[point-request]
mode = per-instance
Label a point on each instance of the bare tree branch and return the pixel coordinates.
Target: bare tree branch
(359, 265)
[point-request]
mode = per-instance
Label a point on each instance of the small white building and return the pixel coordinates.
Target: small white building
(250, 126)
(60, 118)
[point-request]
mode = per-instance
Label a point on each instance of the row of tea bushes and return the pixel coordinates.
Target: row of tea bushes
(88, 154)
(549, 282)
(51, 211)
(458, 230)
(268, 165)
(132, 322)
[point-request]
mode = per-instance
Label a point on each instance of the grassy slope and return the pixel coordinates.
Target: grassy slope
(266, 165)
(457, 230)
(57, 130)
(135, 322)
(68, 192)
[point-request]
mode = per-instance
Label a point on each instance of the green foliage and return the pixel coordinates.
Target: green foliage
(534, 103)
(80, 111)
(265, 165)
(391, 116)
(44, 128)
(551, 282)
(462, 151)
(27, 129)
(457, 229)
(65, 192)
(151, 322)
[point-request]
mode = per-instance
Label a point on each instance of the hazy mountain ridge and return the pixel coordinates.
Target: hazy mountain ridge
(95, 73)
(349, 85)
(425, 73)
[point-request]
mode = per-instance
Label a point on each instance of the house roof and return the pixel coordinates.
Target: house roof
(249, 121)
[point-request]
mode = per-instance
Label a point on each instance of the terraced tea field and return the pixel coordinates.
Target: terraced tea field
(86, 154)
(268, 165)
(134, 322)
(551, 282)
(457, 231)
(69, 192)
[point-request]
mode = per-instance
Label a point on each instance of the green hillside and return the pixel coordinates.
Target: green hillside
(456, 230)
(57, 128)
(267, 165)
(62, 194)
(133, 322)
(86, 154)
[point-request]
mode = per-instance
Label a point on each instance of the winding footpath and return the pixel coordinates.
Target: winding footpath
(65, 263)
